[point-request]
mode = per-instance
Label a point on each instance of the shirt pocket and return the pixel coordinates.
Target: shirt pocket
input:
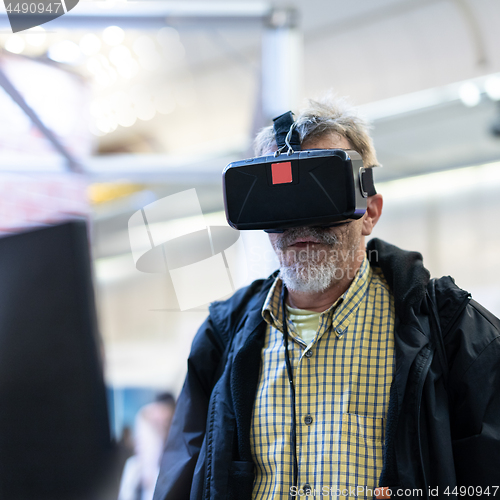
(361, 448)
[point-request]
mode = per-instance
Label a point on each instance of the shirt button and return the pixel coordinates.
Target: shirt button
(308, 354)
(308, 420)
(307, 489)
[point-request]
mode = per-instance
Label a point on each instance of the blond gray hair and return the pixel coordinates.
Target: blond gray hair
(321, 118)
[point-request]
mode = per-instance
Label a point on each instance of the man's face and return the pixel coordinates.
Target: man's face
(313, 259)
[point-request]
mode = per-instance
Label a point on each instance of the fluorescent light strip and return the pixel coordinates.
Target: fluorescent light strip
(447, 183)
(423, 99)
(173, 9)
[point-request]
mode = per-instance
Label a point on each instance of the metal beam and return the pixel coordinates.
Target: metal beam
(152, 15)
(281, 64)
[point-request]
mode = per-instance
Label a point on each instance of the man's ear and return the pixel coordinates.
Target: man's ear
(373, 212)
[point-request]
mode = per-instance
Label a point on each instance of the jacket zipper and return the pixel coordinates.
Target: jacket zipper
(423, 376)
(209, 436)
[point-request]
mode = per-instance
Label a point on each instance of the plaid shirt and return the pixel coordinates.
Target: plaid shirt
(342, 381)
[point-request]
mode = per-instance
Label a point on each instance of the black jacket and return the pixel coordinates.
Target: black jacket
(443, 422)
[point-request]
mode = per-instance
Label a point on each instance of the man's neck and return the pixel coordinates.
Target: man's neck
(321, 301)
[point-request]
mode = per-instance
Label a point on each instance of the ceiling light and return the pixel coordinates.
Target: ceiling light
(144, 45)
(164, 101)
(119, 54)
(128, 69)
(492, 87)
(94, 65)
(143, 103)
(150, 61)
(169, 40)
(90, 44)
(36, 36)
(65, 52)
(126, 117)
(469, 94)
(103, 125)
(113, 35)
(15, 44)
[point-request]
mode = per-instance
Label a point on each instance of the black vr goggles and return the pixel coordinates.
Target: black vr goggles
(317, 187)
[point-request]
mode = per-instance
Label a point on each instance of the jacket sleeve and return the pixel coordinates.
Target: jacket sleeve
(189, 422)
(476, 400)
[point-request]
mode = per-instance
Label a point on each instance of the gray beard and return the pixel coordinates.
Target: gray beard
(313, 275)
(309, 277)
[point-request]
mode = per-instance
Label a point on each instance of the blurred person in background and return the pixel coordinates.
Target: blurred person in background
(151, 429)
(395, 378)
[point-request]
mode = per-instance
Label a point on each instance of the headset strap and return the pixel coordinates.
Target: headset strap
(282, 126)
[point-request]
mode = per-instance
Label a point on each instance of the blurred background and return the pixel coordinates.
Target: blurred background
(146, 100)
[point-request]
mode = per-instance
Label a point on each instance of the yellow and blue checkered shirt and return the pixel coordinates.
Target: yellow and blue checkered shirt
(342, 382)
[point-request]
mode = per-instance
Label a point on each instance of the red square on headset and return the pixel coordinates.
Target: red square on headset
(282, 172)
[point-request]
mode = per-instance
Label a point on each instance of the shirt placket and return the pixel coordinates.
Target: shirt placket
(308, 358)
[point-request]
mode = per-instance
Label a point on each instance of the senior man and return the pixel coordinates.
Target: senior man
(348, 373)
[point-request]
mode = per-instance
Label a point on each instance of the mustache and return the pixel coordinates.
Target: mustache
(291, 235)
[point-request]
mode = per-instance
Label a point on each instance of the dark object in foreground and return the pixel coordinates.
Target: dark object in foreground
(54, 430)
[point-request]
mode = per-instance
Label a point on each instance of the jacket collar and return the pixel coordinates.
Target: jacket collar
(405, 273)
(409, 280)
(242, 308)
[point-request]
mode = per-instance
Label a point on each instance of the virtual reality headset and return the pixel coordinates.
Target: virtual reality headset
(317, 187)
